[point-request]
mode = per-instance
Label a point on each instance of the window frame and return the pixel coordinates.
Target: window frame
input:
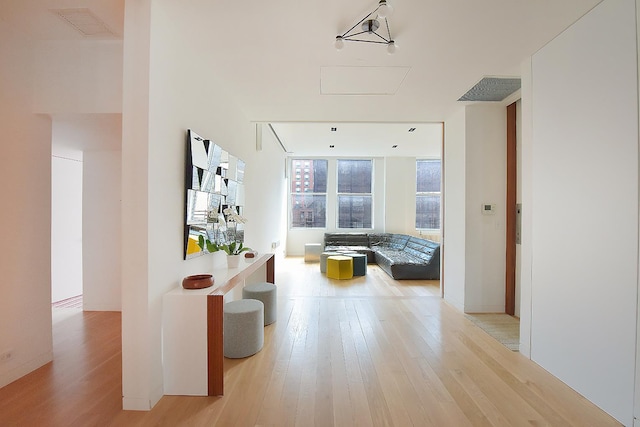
(428, 193)
(294, 181)
(338, 193)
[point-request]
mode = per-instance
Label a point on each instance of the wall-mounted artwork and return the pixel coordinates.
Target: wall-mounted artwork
(214, 182)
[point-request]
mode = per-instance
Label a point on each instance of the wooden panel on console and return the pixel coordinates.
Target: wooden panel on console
(215, 316)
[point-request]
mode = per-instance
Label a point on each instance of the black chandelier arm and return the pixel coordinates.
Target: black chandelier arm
(354, 34)
(351, 36)
(388, 30)
(366, 41)
(385, 40)
(360, 22)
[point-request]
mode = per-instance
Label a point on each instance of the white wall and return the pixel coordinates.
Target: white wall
(454, 236)
(101, 227)
(165, 93)
(485, 175)
(636, 408)
(475, 173)
(25, 217)
(400, 195)
(585, 207)
(526, 195)
(265, 195)
(66, 227)
(78, 76)
(137, 352)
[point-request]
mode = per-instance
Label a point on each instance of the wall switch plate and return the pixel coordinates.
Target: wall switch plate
(488, 208)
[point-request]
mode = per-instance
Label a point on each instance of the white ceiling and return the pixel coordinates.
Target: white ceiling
(277, 58)
(361, 139)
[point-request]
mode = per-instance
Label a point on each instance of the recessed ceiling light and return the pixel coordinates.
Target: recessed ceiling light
(394, 146)
(332, 146)
(334, 129)
(412, 129)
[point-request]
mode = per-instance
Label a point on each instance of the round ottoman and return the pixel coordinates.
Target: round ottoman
(267, 293)
(243, 328)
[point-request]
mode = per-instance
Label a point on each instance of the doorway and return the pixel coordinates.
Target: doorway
(66, 226)
(86, 206)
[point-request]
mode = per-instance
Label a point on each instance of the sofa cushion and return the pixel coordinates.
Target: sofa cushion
(376, 239)
(346, 239)
(392, 256)
(388, 240)
(422, 249)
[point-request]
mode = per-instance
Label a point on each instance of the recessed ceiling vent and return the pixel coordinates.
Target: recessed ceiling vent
(84, 21)
(492, 89)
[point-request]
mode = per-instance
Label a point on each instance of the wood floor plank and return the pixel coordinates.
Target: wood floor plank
(370, 351)
(357, 393)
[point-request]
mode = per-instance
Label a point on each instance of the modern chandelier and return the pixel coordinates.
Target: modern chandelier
(366, 30)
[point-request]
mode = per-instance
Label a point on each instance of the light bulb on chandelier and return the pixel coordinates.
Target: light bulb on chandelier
(391, 47)
(384, 9)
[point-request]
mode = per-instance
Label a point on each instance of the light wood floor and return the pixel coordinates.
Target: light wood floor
(364, 352)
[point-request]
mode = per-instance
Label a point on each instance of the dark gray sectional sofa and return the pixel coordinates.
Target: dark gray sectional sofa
(399, 255)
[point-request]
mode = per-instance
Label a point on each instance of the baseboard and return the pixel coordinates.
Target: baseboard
(484, 308)
(525, 350)
(452, 302)
(98, 307)
(136, 404)
(24, 369)
(141, 404)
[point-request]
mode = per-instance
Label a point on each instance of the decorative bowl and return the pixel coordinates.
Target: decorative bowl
(197, 281)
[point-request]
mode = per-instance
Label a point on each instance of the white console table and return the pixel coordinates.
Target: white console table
(192, 356)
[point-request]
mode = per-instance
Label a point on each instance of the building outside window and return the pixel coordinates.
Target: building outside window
(308, 208)
(355, 190)
(428, 194)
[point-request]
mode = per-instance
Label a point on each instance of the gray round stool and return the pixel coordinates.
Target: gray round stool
(267, 293)
(323, 260)
(243, 328)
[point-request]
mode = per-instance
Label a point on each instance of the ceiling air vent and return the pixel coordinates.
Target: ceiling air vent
(84, 21)
(492, 89)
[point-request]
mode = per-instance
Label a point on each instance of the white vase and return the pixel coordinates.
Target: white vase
(219, 259)
(233, 261)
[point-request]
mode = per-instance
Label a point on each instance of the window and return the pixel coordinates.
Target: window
(308, 210)
(428, 194)
(355, 193)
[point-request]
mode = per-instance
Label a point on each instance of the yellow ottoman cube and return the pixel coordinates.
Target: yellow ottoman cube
(339, 267)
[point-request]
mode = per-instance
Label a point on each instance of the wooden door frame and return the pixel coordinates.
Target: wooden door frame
(511, 199)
